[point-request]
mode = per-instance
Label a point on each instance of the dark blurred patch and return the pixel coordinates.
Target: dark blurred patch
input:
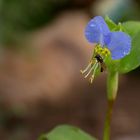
(18, 17)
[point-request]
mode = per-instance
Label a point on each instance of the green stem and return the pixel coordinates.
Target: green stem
(106, 135)
(112, 87)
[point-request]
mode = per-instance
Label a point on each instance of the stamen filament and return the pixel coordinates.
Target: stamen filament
(93, 74)
(85, 70)
(90, 70)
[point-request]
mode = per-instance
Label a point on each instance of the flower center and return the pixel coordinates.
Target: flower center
(104, 52)
(96, 63)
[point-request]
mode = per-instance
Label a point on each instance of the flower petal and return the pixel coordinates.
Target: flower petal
(119, 44)
(96, 29)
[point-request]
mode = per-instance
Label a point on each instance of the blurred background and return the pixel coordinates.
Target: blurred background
(42, 49)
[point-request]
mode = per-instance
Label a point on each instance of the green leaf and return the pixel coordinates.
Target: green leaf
(131, 27)
(131, 61)
(66, 132)
(110, 23)
(113, 26)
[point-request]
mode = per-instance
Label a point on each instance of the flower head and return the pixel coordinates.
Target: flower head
(117, 44)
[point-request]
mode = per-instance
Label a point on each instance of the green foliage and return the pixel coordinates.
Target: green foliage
(112, 26)
(131, 27)
(110, 23)
(66, 132)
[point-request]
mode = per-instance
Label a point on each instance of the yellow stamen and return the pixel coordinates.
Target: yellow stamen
(85, 70)
(102, 51)
(93, 74)
(90, 71)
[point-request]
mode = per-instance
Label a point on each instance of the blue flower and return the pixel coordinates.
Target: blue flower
(118, 43)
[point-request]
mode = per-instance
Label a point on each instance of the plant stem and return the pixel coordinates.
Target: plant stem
(106, 135)
(112, 87)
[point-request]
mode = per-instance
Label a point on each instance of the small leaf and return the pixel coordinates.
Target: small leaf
(113, 26)
(65, 132)
(110, 23)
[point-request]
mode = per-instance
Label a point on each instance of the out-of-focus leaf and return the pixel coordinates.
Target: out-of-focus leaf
(131, 27)
(66, 132)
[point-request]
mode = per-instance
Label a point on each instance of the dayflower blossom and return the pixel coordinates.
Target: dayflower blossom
(117, 44)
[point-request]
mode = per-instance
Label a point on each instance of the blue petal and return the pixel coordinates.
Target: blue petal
(119, 44)
(96, 29)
